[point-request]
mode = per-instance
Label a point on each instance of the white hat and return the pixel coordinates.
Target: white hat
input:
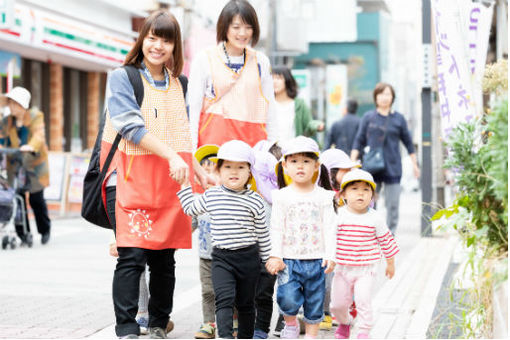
(20, 95)
(298, 145)
(357, 175)
(236, 151)
(336, 158)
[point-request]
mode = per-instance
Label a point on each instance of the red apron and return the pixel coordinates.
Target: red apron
(148, 213)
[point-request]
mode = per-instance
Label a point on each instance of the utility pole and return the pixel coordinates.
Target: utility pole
(426, 106)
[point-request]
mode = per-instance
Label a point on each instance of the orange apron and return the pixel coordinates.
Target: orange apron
(148, 212)
(239, 110)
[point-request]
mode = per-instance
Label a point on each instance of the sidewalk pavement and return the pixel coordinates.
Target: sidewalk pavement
(402, 306)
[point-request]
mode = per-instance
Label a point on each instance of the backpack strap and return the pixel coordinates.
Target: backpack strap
(184, 83)
(136, 82)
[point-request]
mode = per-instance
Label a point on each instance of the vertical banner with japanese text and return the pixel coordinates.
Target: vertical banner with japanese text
(461, 35)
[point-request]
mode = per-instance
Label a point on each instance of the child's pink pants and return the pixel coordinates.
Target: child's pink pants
(357, 280)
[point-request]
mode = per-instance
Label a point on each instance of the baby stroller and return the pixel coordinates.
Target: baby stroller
(12, 207)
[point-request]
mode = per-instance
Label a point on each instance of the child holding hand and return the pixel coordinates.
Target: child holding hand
(240, 237)
(362, 235)
(302, 236)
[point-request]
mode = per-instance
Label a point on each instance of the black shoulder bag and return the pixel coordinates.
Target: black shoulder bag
(373, 161)
(93, 209)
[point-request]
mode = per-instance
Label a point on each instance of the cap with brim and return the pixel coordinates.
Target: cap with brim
(300, 144)
(356, 175)
(20, 95)
(336, 158)
(207, 151)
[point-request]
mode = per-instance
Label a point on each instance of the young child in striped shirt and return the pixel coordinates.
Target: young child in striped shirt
(361, 237)
(240, 237)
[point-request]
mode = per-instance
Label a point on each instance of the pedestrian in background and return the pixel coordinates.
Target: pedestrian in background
(302, 236)
(230, 92)
(239, 235)
(146, 217)
(24, 129)
(343, 131)
(293, 116)
(385, 127)
(361, 237)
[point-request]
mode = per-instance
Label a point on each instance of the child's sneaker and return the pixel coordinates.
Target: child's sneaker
(343, 332)
(169, 326)
(290, 332)
(143, 322)
(235, 326)
(259, 334)
(207, 331)
(279, 326)
(326, 323)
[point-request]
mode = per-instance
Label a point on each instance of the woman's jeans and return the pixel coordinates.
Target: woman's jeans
(126, 281)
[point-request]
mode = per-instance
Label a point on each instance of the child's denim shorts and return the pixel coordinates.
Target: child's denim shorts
(302, 283)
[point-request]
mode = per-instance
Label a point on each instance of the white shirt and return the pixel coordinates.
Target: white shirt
(285, 114)
(303, 225)
(200, 85)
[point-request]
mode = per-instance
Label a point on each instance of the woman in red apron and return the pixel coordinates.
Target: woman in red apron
(140, 187)
(230, 94)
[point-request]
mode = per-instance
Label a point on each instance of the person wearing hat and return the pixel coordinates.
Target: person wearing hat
(302, 236)
(239, 233)
(205, 155)
(338, 164)
(362, 236)
(24, 129)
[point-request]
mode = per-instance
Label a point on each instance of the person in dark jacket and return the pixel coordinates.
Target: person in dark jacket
(343, 131)
(385, 127)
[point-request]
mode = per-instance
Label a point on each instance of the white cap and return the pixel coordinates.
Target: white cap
(336, 158)
(357, 175)
(20, 95)
(298, 145)
(236, 151)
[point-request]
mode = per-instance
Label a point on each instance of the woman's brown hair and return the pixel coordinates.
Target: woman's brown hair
(380, 87)
(247, 14)
(164, 25)
(290, 83)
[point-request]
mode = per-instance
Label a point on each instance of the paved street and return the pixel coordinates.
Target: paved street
(63, 290)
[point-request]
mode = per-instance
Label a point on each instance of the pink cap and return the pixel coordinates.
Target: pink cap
(336, 158)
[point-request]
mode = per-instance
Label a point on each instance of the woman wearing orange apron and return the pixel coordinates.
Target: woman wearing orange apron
(230, 93)
(140, 188)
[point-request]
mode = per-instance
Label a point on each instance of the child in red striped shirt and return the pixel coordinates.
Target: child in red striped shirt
(362, 235)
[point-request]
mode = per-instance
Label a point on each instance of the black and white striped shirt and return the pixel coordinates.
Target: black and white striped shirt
(238, 218)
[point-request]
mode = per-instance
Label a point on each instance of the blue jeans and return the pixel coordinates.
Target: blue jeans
(302, 283)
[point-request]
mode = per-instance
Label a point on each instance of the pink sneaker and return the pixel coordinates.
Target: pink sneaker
(343, 332)
(290, 332)
(363, 336)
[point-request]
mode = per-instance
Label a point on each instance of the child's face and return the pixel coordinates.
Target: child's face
(209, 167)
(234, 175)
(340, 175)
(358, 196)
(300, 168)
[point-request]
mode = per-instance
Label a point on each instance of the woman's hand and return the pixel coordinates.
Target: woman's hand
(179, 170)
(320, 127)
(416, 171)
(203, 177)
